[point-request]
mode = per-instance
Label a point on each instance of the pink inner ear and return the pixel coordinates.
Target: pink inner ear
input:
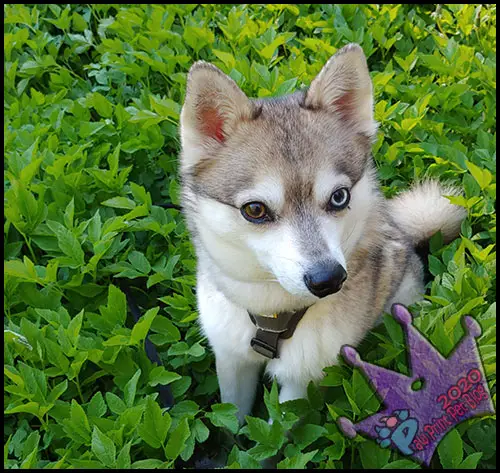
(346, 104)
(212, 124)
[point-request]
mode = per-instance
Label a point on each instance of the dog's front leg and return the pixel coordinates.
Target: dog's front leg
(292, 390)
(289, 391)
(238, 382)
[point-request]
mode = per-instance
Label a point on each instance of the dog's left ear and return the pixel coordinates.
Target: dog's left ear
(344, 87)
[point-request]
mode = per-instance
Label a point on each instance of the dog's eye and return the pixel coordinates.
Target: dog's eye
(339, 199)
(255, 212)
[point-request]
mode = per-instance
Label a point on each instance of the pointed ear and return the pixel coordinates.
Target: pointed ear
(344, 87)
(213, 106)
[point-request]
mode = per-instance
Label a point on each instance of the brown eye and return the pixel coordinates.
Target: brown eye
(255, 212)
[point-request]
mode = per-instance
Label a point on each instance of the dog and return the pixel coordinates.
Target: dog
(282, 201)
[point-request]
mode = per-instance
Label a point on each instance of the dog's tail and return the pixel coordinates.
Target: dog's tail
(422, 211)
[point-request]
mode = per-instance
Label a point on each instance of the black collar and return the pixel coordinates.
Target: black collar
(271, 328)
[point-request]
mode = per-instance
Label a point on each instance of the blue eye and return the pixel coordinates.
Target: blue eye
(339, 199)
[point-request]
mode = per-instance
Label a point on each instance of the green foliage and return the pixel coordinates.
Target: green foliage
(92, 95)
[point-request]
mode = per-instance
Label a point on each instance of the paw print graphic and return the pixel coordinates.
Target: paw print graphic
(399, 429)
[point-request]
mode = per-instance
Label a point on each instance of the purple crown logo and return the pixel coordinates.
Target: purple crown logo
(414, 422)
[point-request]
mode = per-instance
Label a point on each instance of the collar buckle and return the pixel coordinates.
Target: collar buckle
(271, 329)
(266, 343)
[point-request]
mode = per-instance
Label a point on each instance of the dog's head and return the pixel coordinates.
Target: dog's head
(279, 189)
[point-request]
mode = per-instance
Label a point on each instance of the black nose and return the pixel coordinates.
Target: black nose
(325, 279)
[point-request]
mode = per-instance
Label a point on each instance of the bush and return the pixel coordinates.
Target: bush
(92, 101)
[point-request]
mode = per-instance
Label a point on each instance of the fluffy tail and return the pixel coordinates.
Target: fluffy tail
(422, 211)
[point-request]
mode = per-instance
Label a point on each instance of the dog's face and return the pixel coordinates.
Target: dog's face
(279, 189)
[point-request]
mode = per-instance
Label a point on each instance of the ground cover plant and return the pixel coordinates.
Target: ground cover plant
(92, 95)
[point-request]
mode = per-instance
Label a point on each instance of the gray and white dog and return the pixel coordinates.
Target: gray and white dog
(282, 201)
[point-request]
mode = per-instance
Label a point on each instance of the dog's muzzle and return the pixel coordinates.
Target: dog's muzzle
(325, 279)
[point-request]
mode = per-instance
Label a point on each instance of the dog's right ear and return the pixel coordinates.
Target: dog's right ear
(213, 106)
(344, 87)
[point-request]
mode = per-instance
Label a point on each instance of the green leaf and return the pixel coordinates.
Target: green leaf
(394, 329)
(96, 406)
(337, 450)
(139, 262)
(271, 401)
(30, 407)
(185, 408)
(116, 405)
(349, 391)
(180, 386)
(450, 449)
(334, 376)
(482, 176)
(30, 451)
(245, 461)
(261, 452)
(141, 328)
(154, 427)
(177, 440)
(298, 462)
(227, 58)
(67, 242)
(6, 450)
(224, 415)
(88, 129)
(483, 434)
(200, 431)
(169, 332)
(76, 426)
(259, 430)
(69, 214)
(372, 455)
(103, 447)
(74, 328)
(102, 105)
(150, 463)
(196, 350)
(130, 389)
(123, 459)
(119, 203)
(470, 463)
(57, 391)
(113, 160)
(305, 435)
(79, 418)
(86, 464)
(20, 270)
(95, 227)
(159, 375)
(315, 396)
(115, 312)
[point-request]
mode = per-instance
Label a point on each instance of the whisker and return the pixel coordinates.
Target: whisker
(350, 234)
(289, 259)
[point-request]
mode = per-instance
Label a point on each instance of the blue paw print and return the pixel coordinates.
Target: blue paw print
(399, 429)
(384, 436)
(401, 415)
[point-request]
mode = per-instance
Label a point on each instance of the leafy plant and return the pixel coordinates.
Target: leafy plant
(92, 96)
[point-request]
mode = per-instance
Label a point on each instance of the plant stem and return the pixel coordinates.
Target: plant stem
(77, 383)
(28, 243)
